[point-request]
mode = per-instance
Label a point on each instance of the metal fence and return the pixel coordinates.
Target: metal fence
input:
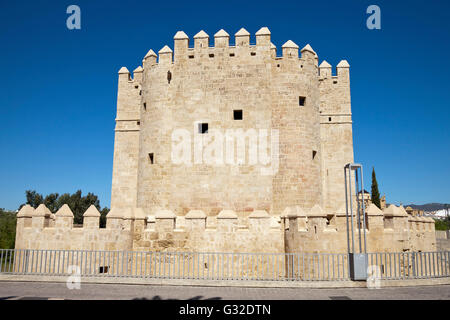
(220, 266)
(441, 234)
(409, 265)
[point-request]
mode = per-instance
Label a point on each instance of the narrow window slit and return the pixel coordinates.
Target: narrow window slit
(151, 158)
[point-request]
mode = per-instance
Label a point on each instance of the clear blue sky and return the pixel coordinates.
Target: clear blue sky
(58, 89)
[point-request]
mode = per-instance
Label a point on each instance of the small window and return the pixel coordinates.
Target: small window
(237, 115)
(138, 123)
(136, 87)
(301, 101)
(278, 65)
(211, 55)
(253, 53)
(103, 269)
(314, 154)
(335, 82)
(191, 57)
(169, 76)
(145, 106)
(231, 54)
(140, 92)
(151, 158)
(202, 128)
(329, 119)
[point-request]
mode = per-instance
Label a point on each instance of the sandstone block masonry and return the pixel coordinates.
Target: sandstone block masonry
(296, 230)
(191, 86)
(237, 205)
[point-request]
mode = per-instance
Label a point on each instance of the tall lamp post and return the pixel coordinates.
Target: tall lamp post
(446, 206)
(357, 255)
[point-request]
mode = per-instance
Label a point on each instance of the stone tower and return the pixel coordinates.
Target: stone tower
(277, 128)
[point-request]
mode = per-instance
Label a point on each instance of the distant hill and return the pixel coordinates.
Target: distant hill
(427, 207)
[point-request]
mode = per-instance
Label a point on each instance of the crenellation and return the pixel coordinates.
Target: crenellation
(287, 124)
(221, 39)
(64, 218)
(137, 75)
(150, 59)
(325, 70)
(342, 71)
(290, 50)
(201, 41)
(165, 56)
(242, 38)
(263, 37)
(312, 230)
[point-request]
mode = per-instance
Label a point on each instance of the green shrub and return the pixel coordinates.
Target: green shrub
(7, 229)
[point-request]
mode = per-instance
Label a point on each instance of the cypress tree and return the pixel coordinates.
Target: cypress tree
(375, 192)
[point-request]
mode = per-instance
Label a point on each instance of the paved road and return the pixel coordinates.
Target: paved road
(34, 290)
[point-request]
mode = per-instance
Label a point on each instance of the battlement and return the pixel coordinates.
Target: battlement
(311, 230)
(201, 50)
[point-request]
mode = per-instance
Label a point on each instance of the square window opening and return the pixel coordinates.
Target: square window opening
(202, 128)
(329, 119)
(103, 269)
(301, 101)
(231, 54)
(253, 53)
(211, 55)
(237, 115)
(191, 57)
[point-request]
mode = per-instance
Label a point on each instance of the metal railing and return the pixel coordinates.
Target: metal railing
(219, 266)
(442, 234)
(410, 265)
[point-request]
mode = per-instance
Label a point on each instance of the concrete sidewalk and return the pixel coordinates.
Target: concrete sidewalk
(226, 283)
(59, 291)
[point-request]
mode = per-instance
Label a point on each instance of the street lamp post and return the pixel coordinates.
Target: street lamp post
(448, 220)
(357, 257)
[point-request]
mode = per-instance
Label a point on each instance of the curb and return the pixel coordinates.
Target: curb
(229, 283)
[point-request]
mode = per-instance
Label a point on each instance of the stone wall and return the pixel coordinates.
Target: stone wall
(391, 230)
(204, 83)
(297, 230)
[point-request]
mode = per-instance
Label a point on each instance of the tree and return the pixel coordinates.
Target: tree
(34, 199)
(76, 202)
(7, 229)
(375, 193)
